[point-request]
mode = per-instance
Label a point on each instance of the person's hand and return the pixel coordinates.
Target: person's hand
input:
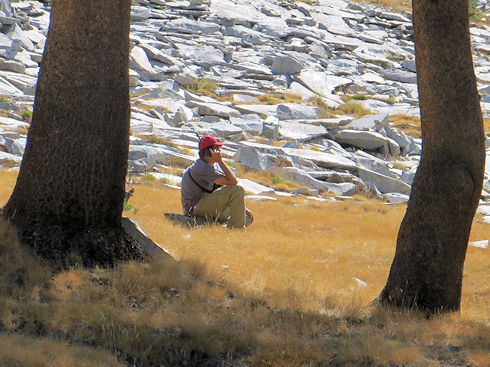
(216, 154)
(249, 214)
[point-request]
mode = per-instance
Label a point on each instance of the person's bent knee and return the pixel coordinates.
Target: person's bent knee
(238, 190)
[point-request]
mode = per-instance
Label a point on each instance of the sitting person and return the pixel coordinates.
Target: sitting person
(201, 194)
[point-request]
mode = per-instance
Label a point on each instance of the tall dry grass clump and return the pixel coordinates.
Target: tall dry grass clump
(293, 290)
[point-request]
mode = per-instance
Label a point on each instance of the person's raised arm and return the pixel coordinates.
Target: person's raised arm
(230, 178)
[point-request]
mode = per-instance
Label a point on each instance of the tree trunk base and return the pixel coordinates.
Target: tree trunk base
(89, 246)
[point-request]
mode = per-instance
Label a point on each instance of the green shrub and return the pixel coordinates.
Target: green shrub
(474, 14)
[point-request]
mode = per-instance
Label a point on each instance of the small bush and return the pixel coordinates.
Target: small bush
(130, 208)
(474, 14)
(384, 64)
(351, 108)
(26, 115)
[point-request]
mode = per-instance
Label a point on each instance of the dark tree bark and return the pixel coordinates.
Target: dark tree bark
(70, 190)
(427, 269)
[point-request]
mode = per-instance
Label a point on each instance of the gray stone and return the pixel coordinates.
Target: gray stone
(139, 60)
(251, 157)
(215, 109)
(259, 109)
(9, 160)
(295, 111)
(253, 187)
(202, 55)
(16, 33)
(286, 65)
(146, 243)
(361, 139)
(322, 159)
(227, 130)
(244, 98)
(183, 25)
(300, 131)
(333, 24)
(15, 146)
(321, 83)
(11, 65)
(400, 76)
(251, 124)
(396, 198)
(369, 122)
(303, 178)
(382, 183)
(160, 155)
(139, 13)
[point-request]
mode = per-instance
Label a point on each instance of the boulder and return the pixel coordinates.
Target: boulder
(214, 109)
(361, 139)
(369, 122)
(139, 13)
(295, 111)
(319, 82)
(139, 60)
(251, 124)
(400, 76)
(9, 160)
(300, 131)
(161, 155)
(303, 178)
(146, 243)
(385, 184)
(254, 188)
(283, 64)
(322, 159)
(396, 198)
(202, 55)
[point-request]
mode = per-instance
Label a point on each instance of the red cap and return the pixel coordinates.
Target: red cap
(208, 141)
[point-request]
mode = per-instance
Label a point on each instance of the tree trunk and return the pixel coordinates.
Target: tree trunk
(428, 266)
(70, 190)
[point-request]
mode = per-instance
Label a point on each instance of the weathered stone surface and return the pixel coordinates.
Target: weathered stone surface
(9, 160)
(303, 178)
(361, 139)
(369, 122)
(214, 109)
(322, 159)
(253, 187)
(286, 65)
(132, 228)
(296, 111)
(384, 184)
(251, 123)
(300, 131)
(319, 82)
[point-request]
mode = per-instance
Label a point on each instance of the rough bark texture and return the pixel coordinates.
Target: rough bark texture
(427, 269)
(70, 190)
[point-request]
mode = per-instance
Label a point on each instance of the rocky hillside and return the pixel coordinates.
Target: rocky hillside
(305, 92)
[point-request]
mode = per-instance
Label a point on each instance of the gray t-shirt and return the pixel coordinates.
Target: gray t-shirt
(190, 193)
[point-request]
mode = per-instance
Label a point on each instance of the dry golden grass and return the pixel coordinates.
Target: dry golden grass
(408, 124)
(282, 293)
(23, 351)
(398, 5)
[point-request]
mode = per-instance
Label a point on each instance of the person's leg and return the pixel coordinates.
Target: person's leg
(226, 202)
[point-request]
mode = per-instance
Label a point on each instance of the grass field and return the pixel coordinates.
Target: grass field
(292, 290)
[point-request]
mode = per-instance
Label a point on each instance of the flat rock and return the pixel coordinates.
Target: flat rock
(322, 159)
(296, 111)
(253, 187)
(369, 122)
(361, 139)
(385, 184)
(132, 228)
(286, 65)
(300, 131)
